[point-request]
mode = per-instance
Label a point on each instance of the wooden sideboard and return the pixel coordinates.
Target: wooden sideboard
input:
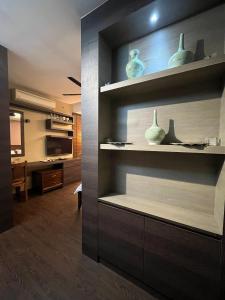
(52, 174)
(47, 180)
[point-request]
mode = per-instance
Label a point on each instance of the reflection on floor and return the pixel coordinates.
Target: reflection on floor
(40, 258)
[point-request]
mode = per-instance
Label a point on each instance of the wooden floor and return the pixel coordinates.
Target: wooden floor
(41, 258)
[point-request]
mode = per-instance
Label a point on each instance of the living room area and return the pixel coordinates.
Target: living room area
(44, 92)
(45, 137)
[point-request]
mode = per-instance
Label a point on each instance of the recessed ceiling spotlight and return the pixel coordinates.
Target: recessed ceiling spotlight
(154, 18)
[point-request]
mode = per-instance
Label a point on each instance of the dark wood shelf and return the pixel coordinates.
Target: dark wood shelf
(208, 69)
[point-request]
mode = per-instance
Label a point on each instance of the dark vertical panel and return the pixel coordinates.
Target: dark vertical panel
(223, 265)
(91, 25)
(90, 145)
(5, 168)
(105, 115)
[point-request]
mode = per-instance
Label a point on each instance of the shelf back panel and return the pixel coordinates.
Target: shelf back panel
(190, 114)
(187, 181)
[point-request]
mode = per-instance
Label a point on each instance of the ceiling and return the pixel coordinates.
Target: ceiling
(43, 39)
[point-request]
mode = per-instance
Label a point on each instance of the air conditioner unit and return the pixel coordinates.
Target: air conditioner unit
(22, 97)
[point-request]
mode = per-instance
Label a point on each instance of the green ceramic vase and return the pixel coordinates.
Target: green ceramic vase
(182, 56)
(155, 135)
(135, 67)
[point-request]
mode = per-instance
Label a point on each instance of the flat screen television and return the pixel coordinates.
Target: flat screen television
(58, 145)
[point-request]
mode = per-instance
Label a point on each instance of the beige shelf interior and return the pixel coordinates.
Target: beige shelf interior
(193, 218)
(190, 101)
(220, 150)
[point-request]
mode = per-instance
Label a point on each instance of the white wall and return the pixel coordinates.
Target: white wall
(77, 108)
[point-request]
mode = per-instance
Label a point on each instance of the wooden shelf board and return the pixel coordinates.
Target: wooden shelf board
(61, 122)
(180, 215)
(213, 68)
(59, 130)
(216, 150)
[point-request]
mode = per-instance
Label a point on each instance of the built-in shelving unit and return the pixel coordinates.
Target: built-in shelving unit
(215, 150)
(190, 104)
(195, 219)
(207, 69)
(148, 207)
(151, 184)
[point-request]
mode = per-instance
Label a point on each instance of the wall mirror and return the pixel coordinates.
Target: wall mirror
(17, 133)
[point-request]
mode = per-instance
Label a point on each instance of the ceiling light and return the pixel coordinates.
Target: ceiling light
(154, 18)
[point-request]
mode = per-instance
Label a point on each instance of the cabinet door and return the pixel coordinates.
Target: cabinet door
(181, 264)
(52, 178)
(121, 235)
(72, 171)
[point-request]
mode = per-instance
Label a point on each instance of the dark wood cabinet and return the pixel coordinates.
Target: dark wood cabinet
(47, 180)
(121, 239)
(47, 175)
(72, 171)
(180, 263)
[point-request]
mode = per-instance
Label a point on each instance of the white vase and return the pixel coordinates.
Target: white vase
(182, 56)
(155, 135)
(135, 67)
